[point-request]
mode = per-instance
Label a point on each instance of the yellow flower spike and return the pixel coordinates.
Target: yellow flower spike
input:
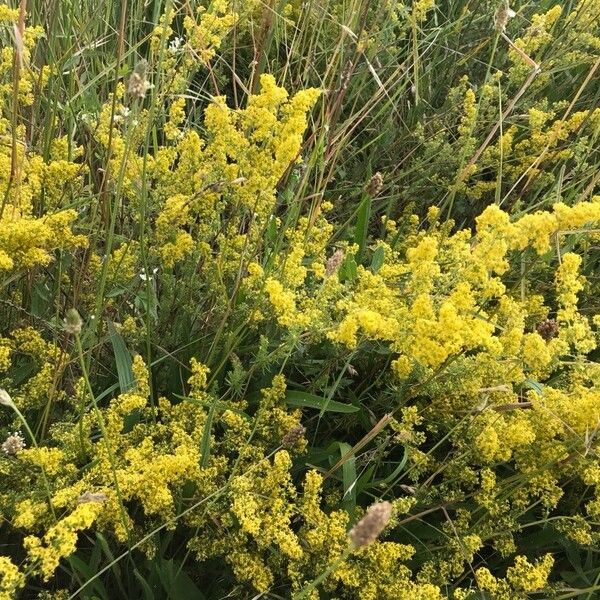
(60, 540)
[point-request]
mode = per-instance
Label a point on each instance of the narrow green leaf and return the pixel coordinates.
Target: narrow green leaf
(378, 258)
(148, 593)
(122, 359)
(365, 480)
(304, 400)
(164, 570)
(176, 582)
(348, 269)
(114, 564)
(78, 565)
(390, 480)
(116, 291)
(348, 478)
(537, 387)
(87, 572)
(205, 442)
(184, 587)
(146, 300)
(271, 231)
(40, 299)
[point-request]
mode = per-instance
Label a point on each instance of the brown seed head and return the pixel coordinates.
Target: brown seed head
(503, 14)
(293, 436)
(138, 83)
(367, 530)
(548, 329)
(91, 497)
(375, 185)
(334, 262)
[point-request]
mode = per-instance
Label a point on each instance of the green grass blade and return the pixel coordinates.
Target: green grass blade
(122, 359)
(205, 442)
(299, 399)
(349, 478)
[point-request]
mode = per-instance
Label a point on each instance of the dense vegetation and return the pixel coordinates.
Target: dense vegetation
(299, 300)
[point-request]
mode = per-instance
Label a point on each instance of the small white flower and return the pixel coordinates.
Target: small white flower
(175, 45)
(121, 114)
(145, 277)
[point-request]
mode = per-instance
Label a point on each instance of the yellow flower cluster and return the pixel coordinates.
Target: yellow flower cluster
(29, 185)
(197, 181)
(441, 305)
(60, 540)
(542, 135)
(30, 76)
(26, 241)
(45, 361)
(7, 14)
(521, 579)
(433, 315)
(204, 36)
(578, 38)
(11, 579)
(420, 9)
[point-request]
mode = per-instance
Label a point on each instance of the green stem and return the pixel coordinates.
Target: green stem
(307, 590)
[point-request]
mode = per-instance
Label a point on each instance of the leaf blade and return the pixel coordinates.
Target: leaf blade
(299, 399)
(122, 359)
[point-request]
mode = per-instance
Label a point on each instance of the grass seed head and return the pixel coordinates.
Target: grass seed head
(367, 530)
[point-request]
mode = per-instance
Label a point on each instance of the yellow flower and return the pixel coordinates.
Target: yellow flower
(527, 577)
(421, 8)
(199, 377)
(11, 579)
(60, 540)
(283, 303)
